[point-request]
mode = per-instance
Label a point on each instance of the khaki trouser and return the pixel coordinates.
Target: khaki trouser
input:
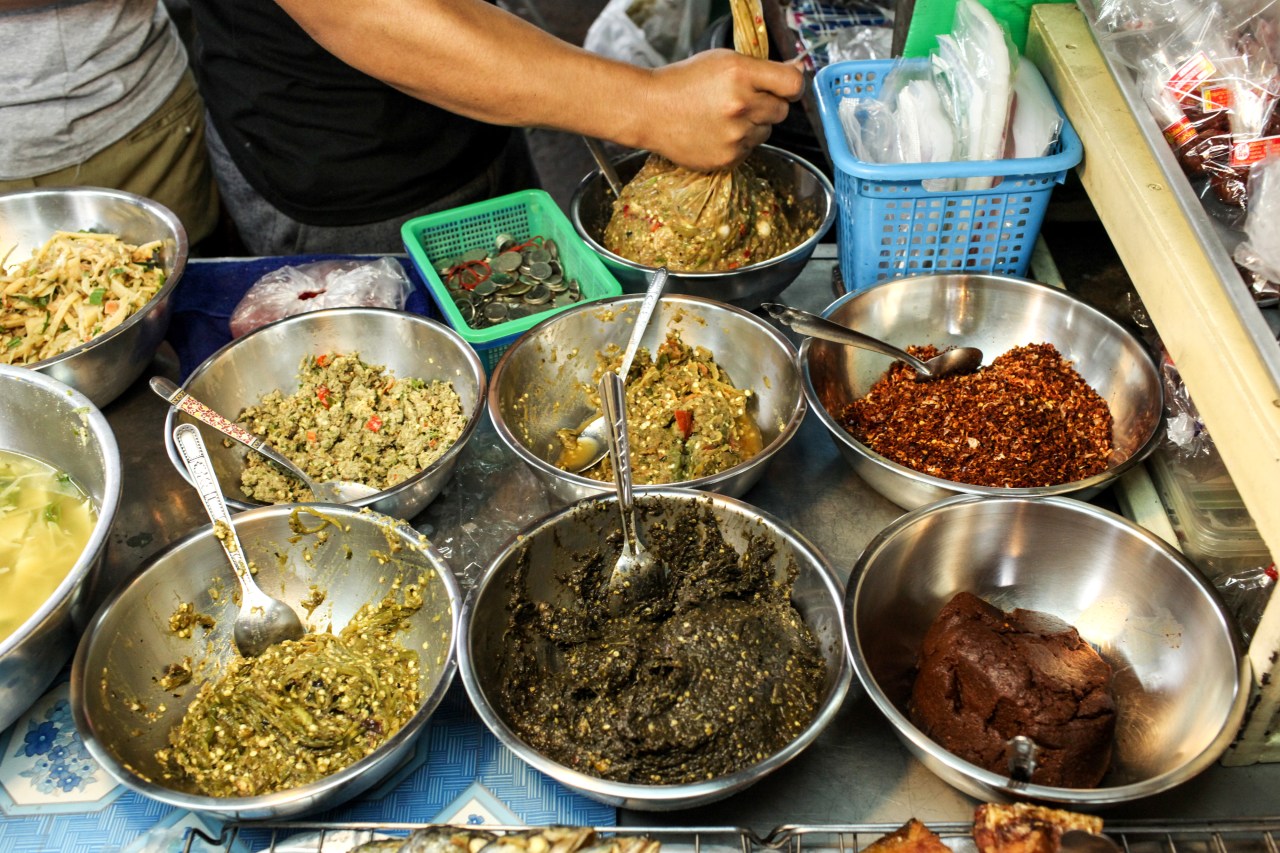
(163, 159)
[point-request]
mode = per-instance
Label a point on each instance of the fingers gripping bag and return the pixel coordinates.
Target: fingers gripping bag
(291, 290)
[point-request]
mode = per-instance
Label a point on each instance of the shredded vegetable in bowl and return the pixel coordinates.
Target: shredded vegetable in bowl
(75, 287)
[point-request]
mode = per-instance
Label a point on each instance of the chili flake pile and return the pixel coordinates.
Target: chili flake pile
(1026, 420)
(350, 421)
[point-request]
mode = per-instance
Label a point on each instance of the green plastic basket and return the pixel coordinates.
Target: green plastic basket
(436, 238)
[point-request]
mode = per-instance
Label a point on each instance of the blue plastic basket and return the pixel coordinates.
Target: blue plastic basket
(892, 225)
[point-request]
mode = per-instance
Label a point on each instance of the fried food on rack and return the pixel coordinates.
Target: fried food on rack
(551, 839)
(912, 837)
(1024, 828)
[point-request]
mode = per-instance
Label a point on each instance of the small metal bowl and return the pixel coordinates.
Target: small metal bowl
(129, 643)
(1181, 677)
(540, 384)
(104, 367)
(551, 542)
(408, 345)
(42, 418)
(592, 205)
(995, 314)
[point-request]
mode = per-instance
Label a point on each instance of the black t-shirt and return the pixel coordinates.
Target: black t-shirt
(321, 141)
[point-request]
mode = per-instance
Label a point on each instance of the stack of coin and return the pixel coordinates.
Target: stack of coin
(515, 279)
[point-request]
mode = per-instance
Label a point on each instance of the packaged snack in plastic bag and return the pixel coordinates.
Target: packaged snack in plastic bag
(291, 290)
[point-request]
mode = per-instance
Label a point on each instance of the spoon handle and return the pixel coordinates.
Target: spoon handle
(820, 327)
(651, 297)
(606, 167)
(196, 458)
(614, 401)
(183, 401)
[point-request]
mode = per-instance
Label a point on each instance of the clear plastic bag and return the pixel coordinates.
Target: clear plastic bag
(1259, 253)
(649, 33)
(291, 290)
(1246, 594)
(1034, 121)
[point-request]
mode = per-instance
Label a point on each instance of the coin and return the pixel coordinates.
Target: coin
(474, 255)
(502, 279)
(504, 242)
(551, 248)
(539, 270)
(562, 300)
(484, 288)
(495, 312)
(556, 277)
(467, 309)
(539, 256)
(518, 311)
(519, 288)
(508, 262)
(537, 295)
(556, 286)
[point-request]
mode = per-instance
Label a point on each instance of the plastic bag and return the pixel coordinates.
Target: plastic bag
(1034, 122)
(1246, 594)
(649, 33)
(1259, 254)
(292, 290)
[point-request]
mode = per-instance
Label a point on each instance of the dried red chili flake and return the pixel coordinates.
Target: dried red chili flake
(1026, 420)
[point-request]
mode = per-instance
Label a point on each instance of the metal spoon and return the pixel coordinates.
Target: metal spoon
(953, 362)
(637, 575)
(606, 167)
(329, 491)
(263, 621)
(591, 443)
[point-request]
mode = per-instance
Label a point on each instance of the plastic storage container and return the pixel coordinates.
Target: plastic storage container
(437, 238)
(894, 221)
(1213, 526)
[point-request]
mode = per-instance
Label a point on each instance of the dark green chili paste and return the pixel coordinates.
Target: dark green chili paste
(717, 674)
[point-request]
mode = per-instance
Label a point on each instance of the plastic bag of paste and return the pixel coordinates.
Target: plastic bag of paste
(649, 33)
(292, 290)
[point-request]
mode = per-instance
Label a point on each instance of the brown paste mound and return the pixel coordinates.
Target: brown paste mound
(717, 674)
(985, 676)
(1027, 420)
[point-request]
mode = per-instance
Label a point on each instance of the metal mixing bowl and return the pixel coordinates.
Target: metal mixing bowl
(550, 545)
(408, 345)
(541, 383)
(1181, 678)
(104, 367)
(42, 418)
(129, 643)
(995, 314)
(793, 176)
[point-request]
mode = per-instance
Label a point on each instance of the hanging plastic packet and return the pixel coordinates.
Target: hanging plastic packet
(1259, 254)
(1035, 122)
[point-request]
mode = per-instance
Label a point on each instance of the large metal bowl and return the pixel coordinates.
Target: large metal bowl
(104, 367)
(248, 368)
(1181, 677)
(550, 545)
(995, 314)
(42, 418)
(541, 383)
(123, 714)
(592, 204)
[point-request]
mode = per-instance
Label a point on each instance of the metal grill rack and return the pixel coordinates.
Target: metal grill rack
(1256, 835)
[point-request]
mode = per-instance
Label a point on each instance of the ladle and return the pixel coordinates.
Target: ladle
(637, 575)
(329, 491)
(606, 167)
(953, 362)
(263, 621)
(1082, 841)
(591, 443)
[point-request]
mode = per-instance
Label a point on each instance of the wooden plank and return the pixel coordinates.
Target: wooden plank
(1222, 366)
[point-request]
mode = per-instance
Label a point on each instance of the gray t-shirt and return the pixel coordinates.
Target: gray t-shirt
(79, 75)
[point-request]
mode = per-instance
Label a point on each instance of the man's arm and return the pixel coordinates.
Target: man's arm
(477, 60)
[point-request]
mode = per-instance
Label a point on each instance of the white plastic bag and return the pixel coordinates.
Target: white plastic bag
(291, 290)
(649, 33)
(1035, 123)
(1260, 252)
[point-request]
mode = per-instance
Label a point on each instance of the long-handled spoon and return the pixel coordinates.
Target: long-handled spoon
(953, 362)
(636, 575)
(591, 443)
(606, 166)
(263, 621)
(328, 491)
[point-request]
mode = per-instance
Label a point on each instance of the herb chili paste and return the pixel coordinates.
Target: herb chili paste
(301, 710)
(1026, 420)
(714, 675)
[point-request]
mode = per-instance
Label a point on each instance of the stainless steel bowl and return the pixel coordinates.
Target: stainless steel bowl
(43, 418)
(541, 383)
(1181, 677)
(592, 204)
(995, 314)
(129, 643)
(408, 345)
(104, 367)
(579, 529)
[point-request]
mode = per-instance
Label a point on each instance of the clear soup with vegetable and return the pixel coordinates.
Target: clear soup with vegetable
(45, 523)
